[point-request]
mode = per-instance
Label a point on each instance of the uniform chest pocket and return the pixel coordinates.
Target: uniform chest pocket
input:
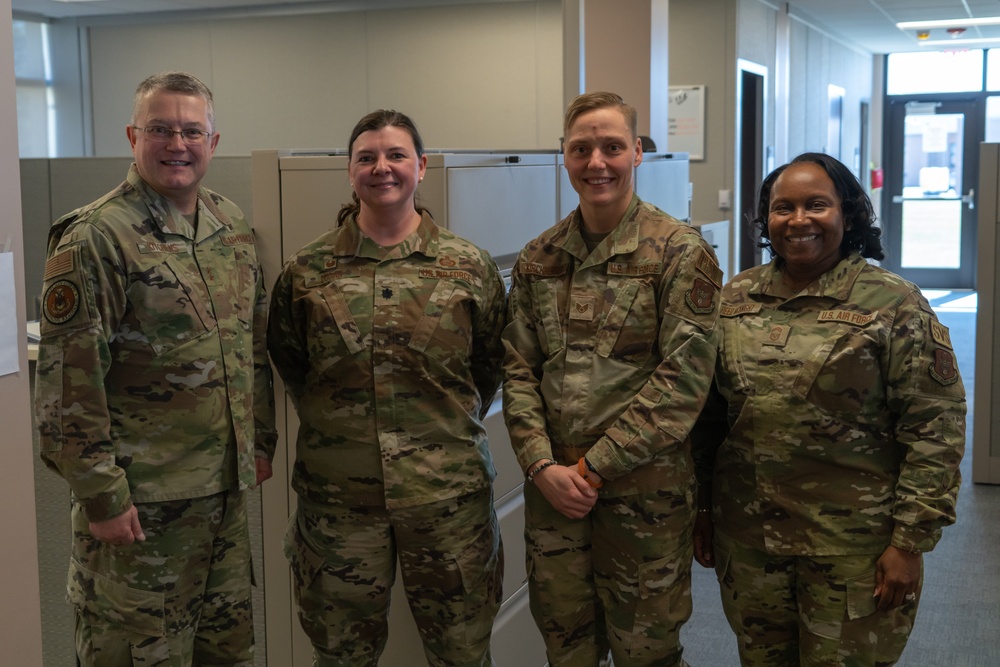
(551, 333)
(333, 331)
(628, 330)
(170, 307)
(843, 373)
(444, 330)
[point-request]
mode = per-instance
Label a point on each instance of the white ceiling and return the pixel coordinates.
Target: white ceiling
(868, 24)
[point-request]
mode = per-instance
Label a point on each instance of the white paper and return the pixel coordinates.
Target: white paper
(8, 316)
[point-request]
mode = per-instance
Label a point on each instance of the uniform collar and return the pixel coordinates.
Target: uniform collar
(834, 284)
(171, 221)
(352, 242)
(622, 240)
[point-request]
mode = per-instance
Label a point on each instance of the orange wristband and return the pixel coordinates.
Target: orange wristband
(581, 467)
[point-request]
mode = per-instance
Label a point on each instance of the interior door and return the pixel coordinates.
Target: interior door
(930, 222)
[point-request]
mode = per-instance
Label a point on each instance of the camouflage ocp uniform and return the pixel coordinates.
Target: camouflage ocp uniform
(845, 414)
(153, 389)
(392, 357)
(610, 354)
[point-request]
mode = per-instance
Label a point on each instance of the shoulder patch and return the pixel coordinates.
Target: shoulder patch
(60, 264)
(709, 267)
(61, 302)
(701, 297)
(943, 369)
(939, 333)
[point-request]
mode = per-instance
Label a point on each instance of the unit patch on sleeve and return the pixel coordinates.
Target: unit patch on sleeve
(701, 297)
(61, 302)
(943, 369)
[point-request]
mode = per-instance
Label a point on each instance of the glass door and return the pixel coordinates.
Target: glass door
(930, 225)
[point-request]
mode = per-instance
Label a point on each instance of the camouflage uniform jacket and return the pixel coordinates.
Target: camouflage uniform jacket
(610, 353)
(391, 357)
(152, 380)
(845, 414)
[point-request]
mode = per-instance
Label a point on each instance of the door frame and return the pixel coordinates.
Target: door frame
(972, 105)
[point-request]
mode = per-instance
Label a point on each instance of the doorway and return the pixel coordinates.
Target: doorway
(930, 217)
(750, 103)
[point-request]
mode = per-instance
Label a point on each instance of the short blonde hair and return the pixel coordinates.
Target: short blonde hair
(601, 100)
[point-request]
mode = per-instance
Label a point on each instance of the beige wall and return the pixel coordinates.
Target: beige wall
(20, 614)
(708, 37)
(471, 76)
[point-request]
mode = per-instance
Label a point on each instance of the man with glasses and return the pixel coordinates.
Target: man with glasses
(154, 396)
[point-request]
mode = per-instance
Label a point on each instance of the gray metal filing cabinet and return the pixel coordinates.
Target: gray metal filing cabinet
(497, 200)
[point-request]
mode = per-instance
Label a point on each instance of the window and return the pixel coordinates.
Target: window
(34, 92)
(934, 72)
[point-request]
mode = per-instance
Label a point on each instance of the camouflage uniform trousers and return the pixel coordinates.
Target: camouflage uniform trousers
(813, 611)
(343, 560)
(618, 579)
(182, 597)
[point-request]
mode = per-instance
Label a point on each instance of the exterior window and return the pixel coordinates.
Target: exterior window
(35, 111)
(934, 72)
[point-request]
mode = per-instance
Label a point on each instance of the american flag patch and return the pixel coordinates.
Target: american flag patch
(59, 264)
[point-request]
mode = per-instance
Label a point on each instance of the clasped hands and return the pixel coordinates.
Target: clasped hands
(566, 489)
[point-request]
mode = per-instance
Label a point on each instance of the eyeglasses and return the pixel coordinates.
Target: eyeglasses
(161, 134)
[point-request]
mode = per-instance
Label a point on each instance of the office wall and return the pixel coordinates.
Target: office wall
(703, 53)
(20, 612)
(707, 37)
(471, 76)
(818, 60)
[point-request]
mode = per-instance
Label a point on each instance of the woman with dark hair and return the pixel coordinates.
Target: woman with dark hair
(828, 454)
(386, 331)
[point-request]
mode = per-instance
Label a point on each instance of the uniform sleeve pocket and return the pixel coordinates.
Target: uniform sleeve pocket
(131, 609)
(860, 602)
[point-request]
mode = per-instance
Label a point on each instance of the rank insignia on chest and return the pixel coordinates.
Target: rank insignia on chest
(943, 369)
(701, 297)
(582, 307)
(777, 335)
(61, 302)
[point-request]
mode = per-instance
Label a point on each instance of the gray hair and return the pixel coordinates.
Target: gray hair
(175, 82)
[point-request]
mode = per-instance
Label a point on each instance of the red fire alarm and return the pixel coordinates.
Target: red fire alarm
(876, 178)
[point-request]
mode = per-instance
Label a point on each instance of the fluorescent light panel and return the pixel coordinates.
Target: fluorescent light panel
(959, 42)
(948, 23)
